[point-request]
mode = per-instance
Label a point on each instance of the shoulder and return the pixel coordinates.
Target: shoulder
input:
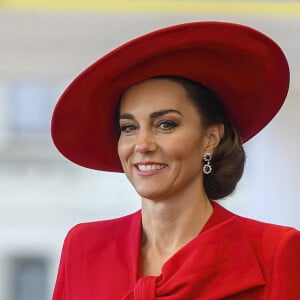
(103, 231)
(266, 239)
(270, 243)
(91, 253)
(267, 235)
(277, 250)
(107, 224)
(260, 235)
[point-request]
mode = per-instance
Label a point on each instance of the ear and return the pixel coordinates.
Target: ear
(214, 135)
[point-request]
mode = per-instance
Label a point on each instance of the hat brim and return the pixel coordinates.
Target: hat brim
(246, 69)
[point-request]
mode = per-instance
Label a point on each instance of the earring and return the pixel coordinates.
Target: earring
(207, 166)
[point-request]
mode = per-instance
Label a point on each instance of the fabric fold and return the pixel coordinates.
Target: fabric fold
(230, 266)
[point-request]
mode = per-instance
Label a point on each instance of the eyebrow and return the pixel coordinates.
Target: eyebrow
(153, 115)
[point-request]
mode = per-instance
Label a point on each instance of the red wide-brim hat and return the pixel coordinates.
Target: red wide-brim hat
(243, 67)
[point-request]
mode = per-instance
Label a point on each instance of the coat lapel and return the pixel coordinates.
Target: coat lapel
(218, 263)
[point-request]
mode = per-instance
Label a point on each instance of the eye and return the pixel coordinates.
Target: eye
(167, 125)
(127, 128)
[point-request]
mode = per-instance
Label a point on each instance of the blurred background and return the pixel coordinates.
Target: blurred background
(43, 45)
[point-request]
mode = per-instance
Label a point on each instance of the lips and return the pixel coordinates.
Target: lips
(150, 167)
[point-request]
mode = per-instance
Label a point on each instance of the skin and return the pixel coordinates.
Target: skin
(161, 147)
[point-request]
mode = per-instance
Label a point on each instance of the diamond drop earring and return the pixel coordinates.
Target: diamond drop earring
(207, 166)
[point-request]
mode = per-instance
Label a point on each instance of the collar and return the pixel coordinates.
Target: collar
(218, 263)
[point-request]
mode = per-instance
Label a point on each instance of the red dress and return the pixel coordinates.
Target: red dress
(232, 258)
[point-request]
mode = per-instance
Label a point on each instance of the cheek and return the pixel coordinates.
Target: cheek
(185, 149)
(121, 150)
(124, 150)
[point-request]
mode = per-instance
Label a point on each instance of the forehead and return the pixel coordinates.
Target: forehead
(153, 94)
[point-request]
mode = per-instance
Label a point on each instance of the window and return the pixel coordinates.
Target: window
(29, 278)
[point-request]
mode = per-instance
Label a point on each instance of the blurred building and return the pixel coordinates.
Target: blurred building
(42, 195)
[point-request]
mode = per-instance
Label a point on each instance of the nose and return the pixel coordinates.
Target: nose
(145, 143)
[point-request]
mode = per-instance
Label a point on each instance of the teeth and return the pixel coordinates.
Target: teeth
(150, 167)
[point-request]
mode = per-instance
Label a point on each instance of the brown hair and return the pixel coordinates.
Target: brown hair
(228, 159)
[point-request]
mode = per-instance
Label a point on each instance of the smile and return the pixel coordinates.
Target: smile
(151, 167)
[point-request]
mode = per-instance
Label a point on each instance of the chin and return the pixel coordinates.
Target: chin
(151, 189)
(149, 195)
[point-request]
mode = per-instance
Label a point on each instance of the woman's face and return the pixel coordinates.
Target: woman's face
(162, 141)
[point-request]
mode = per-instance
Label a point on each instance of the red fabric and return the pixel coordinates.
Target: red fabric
(244, 68)
(232, 258)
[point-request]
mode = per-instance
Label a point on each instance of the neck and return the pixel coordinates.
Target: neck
(170, 224)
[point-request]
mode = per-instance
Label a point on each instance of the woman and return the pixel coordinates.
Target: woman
(171, 109)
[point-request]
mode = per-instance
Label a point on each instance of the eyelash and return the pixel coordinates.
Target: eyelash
(127, 128)
(170, 125)
(164, 126)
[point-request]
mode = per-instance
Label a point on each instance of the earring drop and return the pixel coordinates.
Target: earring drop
(207, 166)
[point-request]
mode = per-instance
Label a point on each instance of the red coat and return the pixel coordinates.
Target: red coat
(232, 258)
